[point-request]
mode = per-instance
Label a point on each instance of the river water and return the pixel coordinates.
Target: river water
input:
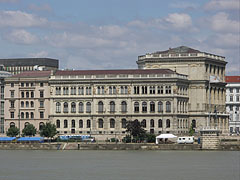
(119, 165)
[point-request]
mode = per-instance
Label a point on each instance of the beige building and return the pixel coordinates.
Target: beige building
(27, 97)
(205, 108)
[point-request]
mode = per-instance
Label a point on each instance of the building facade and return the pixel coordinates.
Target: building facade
(19, 65)
(233, 102)
(206, 98)
(27, 97)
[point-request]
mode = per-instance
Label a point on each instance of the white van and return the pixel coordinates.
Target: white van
(185, 140)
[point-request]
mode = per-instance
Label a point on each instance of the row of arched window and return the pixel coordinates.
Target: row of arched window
(27, 94)
(12, 124)
(27, 104)
(124, 108)
(27, 115)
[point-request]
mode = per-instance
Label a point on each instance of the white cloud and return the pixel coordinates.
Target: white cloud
(21, 36)
(41, 54)
(183, 5)
(112, 31)
(20, 19)
(222, 5)
(221, 23)
(179, 20)
(43, 7)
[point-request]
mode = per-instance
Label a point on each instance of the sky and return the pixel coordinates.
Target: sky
(111, 34)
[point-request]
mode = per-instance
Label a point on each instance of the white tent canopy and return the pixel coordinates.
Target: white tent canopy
(164, 136)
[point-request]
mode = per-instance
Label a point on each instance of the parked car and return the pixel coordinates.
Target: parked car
(185, 140)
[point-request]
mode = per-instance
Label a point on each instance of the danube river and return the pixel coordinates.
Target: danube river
(119, 165)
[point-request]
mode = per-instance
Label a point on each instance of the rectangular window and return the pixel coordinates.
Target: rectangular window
(237, 90)
(231, 98)
(2, 108)
(237, 98)
(168, 90)
(41, 115)
(12, 115)
(12, 84)
(41, 84)
(12, 94)
(41, 104)
(22, 84)
(41, 94)
(144, 89)
(160, 90)
(136, 90)
(12, 104)
(231, 90)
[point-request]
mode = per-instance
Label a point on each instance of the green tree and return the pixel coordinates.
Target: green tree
(29, 130)
(48, 130)
(136, 130)
(151, 138)
(191, 130)
(13, 131)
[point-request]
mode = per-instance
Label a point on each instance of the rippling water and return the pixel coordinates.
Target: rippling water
(119, 165)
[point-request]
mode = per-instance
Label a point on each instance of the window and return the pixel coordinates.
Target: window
(152, 106)
(144, 107)
(41, 84)
(80, 107)
(12, 94)
(88, 123)
(12, 84)
(168, 90)
(237, 98)
(237, 90)
(100, 90)
(73, 123)
(27, 94)
(168, 106)
(58, 107)
(160, 106)
(151, 123)
(22, 84)
(12, 124)
(100, 123)
(160, 89)
(168, 123)
(124, 106)
(22, 115)
(112, 123)
(27, 84)
(73, 107)
(194, 123)
(136, 107)
(12, 115)
(73, 90)
(144, 123)
(58, 123)
(41, 114)
(112, 90)
(22, 94)
(159, 123)
(65, 123)
(124, 123)
(32, 115)
(41, 126)
(88, 107)
(124, 90)
(136, 90)
(231, 90)
(65, 107)
(231, 108)
(112, 106)
(22, 104)
(32, 94)
(41, 94)
(152, 90)
(27, 115)
(26, 124)
(12, 104)
(80, 91)
(41, 104)
(58, 91)
(80, 123)
(144, 89)
(27, 104)
(32, 104)
(65, 91)
(100, 106)
(88, 91)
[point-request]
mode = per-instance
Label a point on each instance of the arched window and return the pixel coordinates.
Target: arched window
(58, 107)
(22, 104)
(151, 123)
(152, 106)
(32, 94)
(112, 123)
(12, 124)
(58, 123)
(144, 107)
(26, 124)
(88, 123)
(32, 115)
(80, 123)
(136, 107)
(73, 107)
(144, 123)
(80, 107)
(100, 106)
(22, 94)
(32, 104)
(88, 107)
(22, 115)
(100, 123)
(112, 106)
(27, 104)
(65, 107)
(168, 124)
(27, 115)
(168, 106)
(159, 123)
(41, 126)
(73, 123)
(27, 94)
(194, 123)
(124, 123)
(65, 125)
(160, 106)
(124, 106)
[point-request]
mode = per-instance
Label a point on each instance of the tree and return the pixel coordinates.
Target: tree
(135, 129)
(29, 130)
(191, 130)
(13, 131)
(151, 138)
(48, 130)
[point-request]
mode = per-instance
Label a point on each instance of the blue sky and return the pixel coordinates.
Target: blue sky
(110, 34)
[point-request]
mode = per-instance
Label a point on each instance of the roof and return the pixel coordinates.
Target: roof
(30, 139)
(232, 79)
(121, 71)
(30, 62)
(180, 49)
(33, 74)
(7, 138)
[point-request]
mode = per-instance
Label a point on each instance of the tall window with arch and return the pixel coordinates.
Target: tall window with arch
(88, 123)
(160, 123)
(58, 107)
(151, 123)
(65, 123)
(152, 106)
(144, 123)
(58, 123)
(41, 126)
(124, 106)
(144, 107)
(112, 106)
(136, 107)
(73, 107)
(80, 123)
(160, 106)
(100, 107)
(88, 107)
(168, 106)
(80, 107)
(112, 123)
(124, 123)
(65, 107)
(73, 123)
(100, 123)
(168, 123)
